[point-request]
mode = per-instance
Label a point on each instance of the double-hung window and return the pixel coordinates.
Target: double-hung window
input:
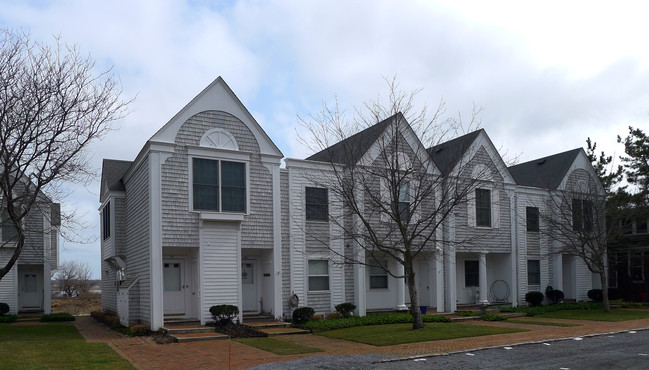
(483, 207)
(532, 216)
(636, 267)
(378, 277)
(9, 229)
(582, 215)
(318, 275)
(533, 272)
(317, 204)
(105, 215)
(403, 204)
(219, 186)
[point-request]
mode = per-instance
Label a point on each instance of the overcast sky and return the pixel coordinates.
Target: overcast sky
(547, 74)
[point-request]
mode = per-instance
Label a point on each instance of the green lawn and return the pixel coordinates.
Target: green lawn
(537, 322)
(387, 335)
(53, 346)
(599, 314)
(276, 346)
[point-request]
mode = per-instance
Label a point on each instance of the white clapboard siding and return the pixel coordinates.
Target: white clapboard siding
(8, 284)
(220, 265)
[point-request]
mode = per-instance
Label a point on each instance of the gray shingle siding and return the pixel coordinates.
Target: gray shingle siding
(138, 253)
(32, 252)
(286, 258)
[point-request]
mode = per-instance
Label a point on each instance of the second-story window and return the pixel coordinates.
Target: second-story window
(219, 186)
(403, 205)
(582, 215)
(9, 229)
(105, 222)
(317, 204)
(483, 207)
(532, 218)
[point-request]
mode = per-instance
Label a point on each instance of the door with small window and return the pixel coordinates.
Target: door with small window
(30, 290)
(174, 287)
(249, 287)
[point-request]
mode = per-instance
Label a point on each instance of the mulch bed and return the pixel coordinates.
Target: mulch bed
(239, 331)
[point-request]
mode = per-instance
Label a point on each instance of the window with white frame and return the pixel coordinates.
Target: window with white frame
(9, 229)
(483, 207)
(403, 206)
(378, 276)
(582, 215)
(317, 204)
(219, 186)
(641, 226)
(636, 267)
(318, 275)
(532, 218)
(533, 272)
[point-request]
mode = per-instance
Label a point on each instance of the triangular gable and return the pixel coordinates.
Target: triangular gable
(410, 137)
(581, 161)
(482, 140)
(219, 97)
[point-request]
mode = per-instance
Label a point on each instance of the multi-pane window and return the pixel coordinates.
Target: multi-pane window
(9, 229)
(483, 207)
(641, 226)
(378, 277)
(533, 272)
(636, 267)
(219, 186)
(317, 204)
(532, 217)
(105, 224)
(582, 215)
(404, 201)
(318, 275)
(627, 226)
(471, 273)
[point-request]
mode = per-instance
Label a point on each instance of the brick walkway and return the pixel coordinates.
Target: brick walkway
(143, 353)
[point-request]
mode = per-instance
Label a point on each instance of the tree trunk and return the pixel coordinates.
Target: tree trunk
(417, 319)
(604, 281)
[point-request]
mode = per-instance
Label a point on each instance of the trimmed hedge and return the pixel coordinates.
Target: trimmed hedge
(537, 310)
(303, 314)
(378, 319)
(492, 317)
(8, 319)
(53, 317)
(555, 295)
(534, 298)
(4, 308)
(596, 295)
(466, 313)
(345, 309)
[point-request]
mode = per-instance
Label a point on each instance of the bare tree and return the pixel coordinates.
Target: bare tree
(395, 200)
(52, 106)
(576, 219)
(73, 279)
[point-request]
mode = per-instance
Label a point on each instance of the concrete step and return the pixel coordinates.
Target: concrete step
(180, 321)
(268, 324)
(184, 329)
(194, 337)
(282, 331)
(254, 318)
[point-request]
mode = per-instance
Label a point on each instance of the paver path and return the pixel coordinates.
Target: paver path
(144, 353)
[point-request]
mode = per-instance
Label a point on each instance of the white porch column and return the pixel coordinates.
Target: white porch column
(401, 289)
(439, 281)
(482, 266)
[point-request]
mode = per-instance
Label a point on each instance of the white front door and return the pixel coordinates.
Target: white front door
(31, 289)
(174, 287)
(249, 287)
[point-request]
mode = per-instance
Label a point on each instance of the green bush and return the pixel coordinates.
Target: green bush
(466, 313)
(303, 314)
(52, 317)
(8, 318)
(492, 317)
(537, 310)
(534, 298)
(555, 296)
(224, 313)
(378, 319)
(596, 295)
(345, 309)
(4, 308)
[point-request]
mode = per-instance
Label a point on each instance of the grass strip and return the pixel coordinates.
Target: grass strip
(599, 315)
(276, 346)
(387, 335)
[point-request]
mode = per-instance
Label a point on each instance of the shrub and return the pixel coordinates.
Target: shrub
(534, 298)
(492, 317)
(596, 295)
(52, 317)
(345, 309)
(224, 313)
(8, 318)
(4, 308)
(378, 319)
(139, 330)
(533, 311)
(555, 296)
(466, 313)
(303, 314)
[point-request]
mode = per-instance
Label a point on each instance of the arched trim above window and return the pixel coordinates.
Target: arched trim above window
(220, 139)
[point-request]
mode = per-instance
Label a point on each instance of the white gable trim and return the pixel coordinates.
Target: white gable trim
(483, 141)
(219, 97)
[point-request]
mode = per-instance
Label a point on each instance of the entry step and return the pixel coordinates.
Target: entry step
(194, 337)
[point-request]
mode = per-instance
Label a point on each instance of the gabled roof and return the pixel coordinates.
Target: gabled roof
(546, 172)
(352, 149)
(112, 171)
(447, 154)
